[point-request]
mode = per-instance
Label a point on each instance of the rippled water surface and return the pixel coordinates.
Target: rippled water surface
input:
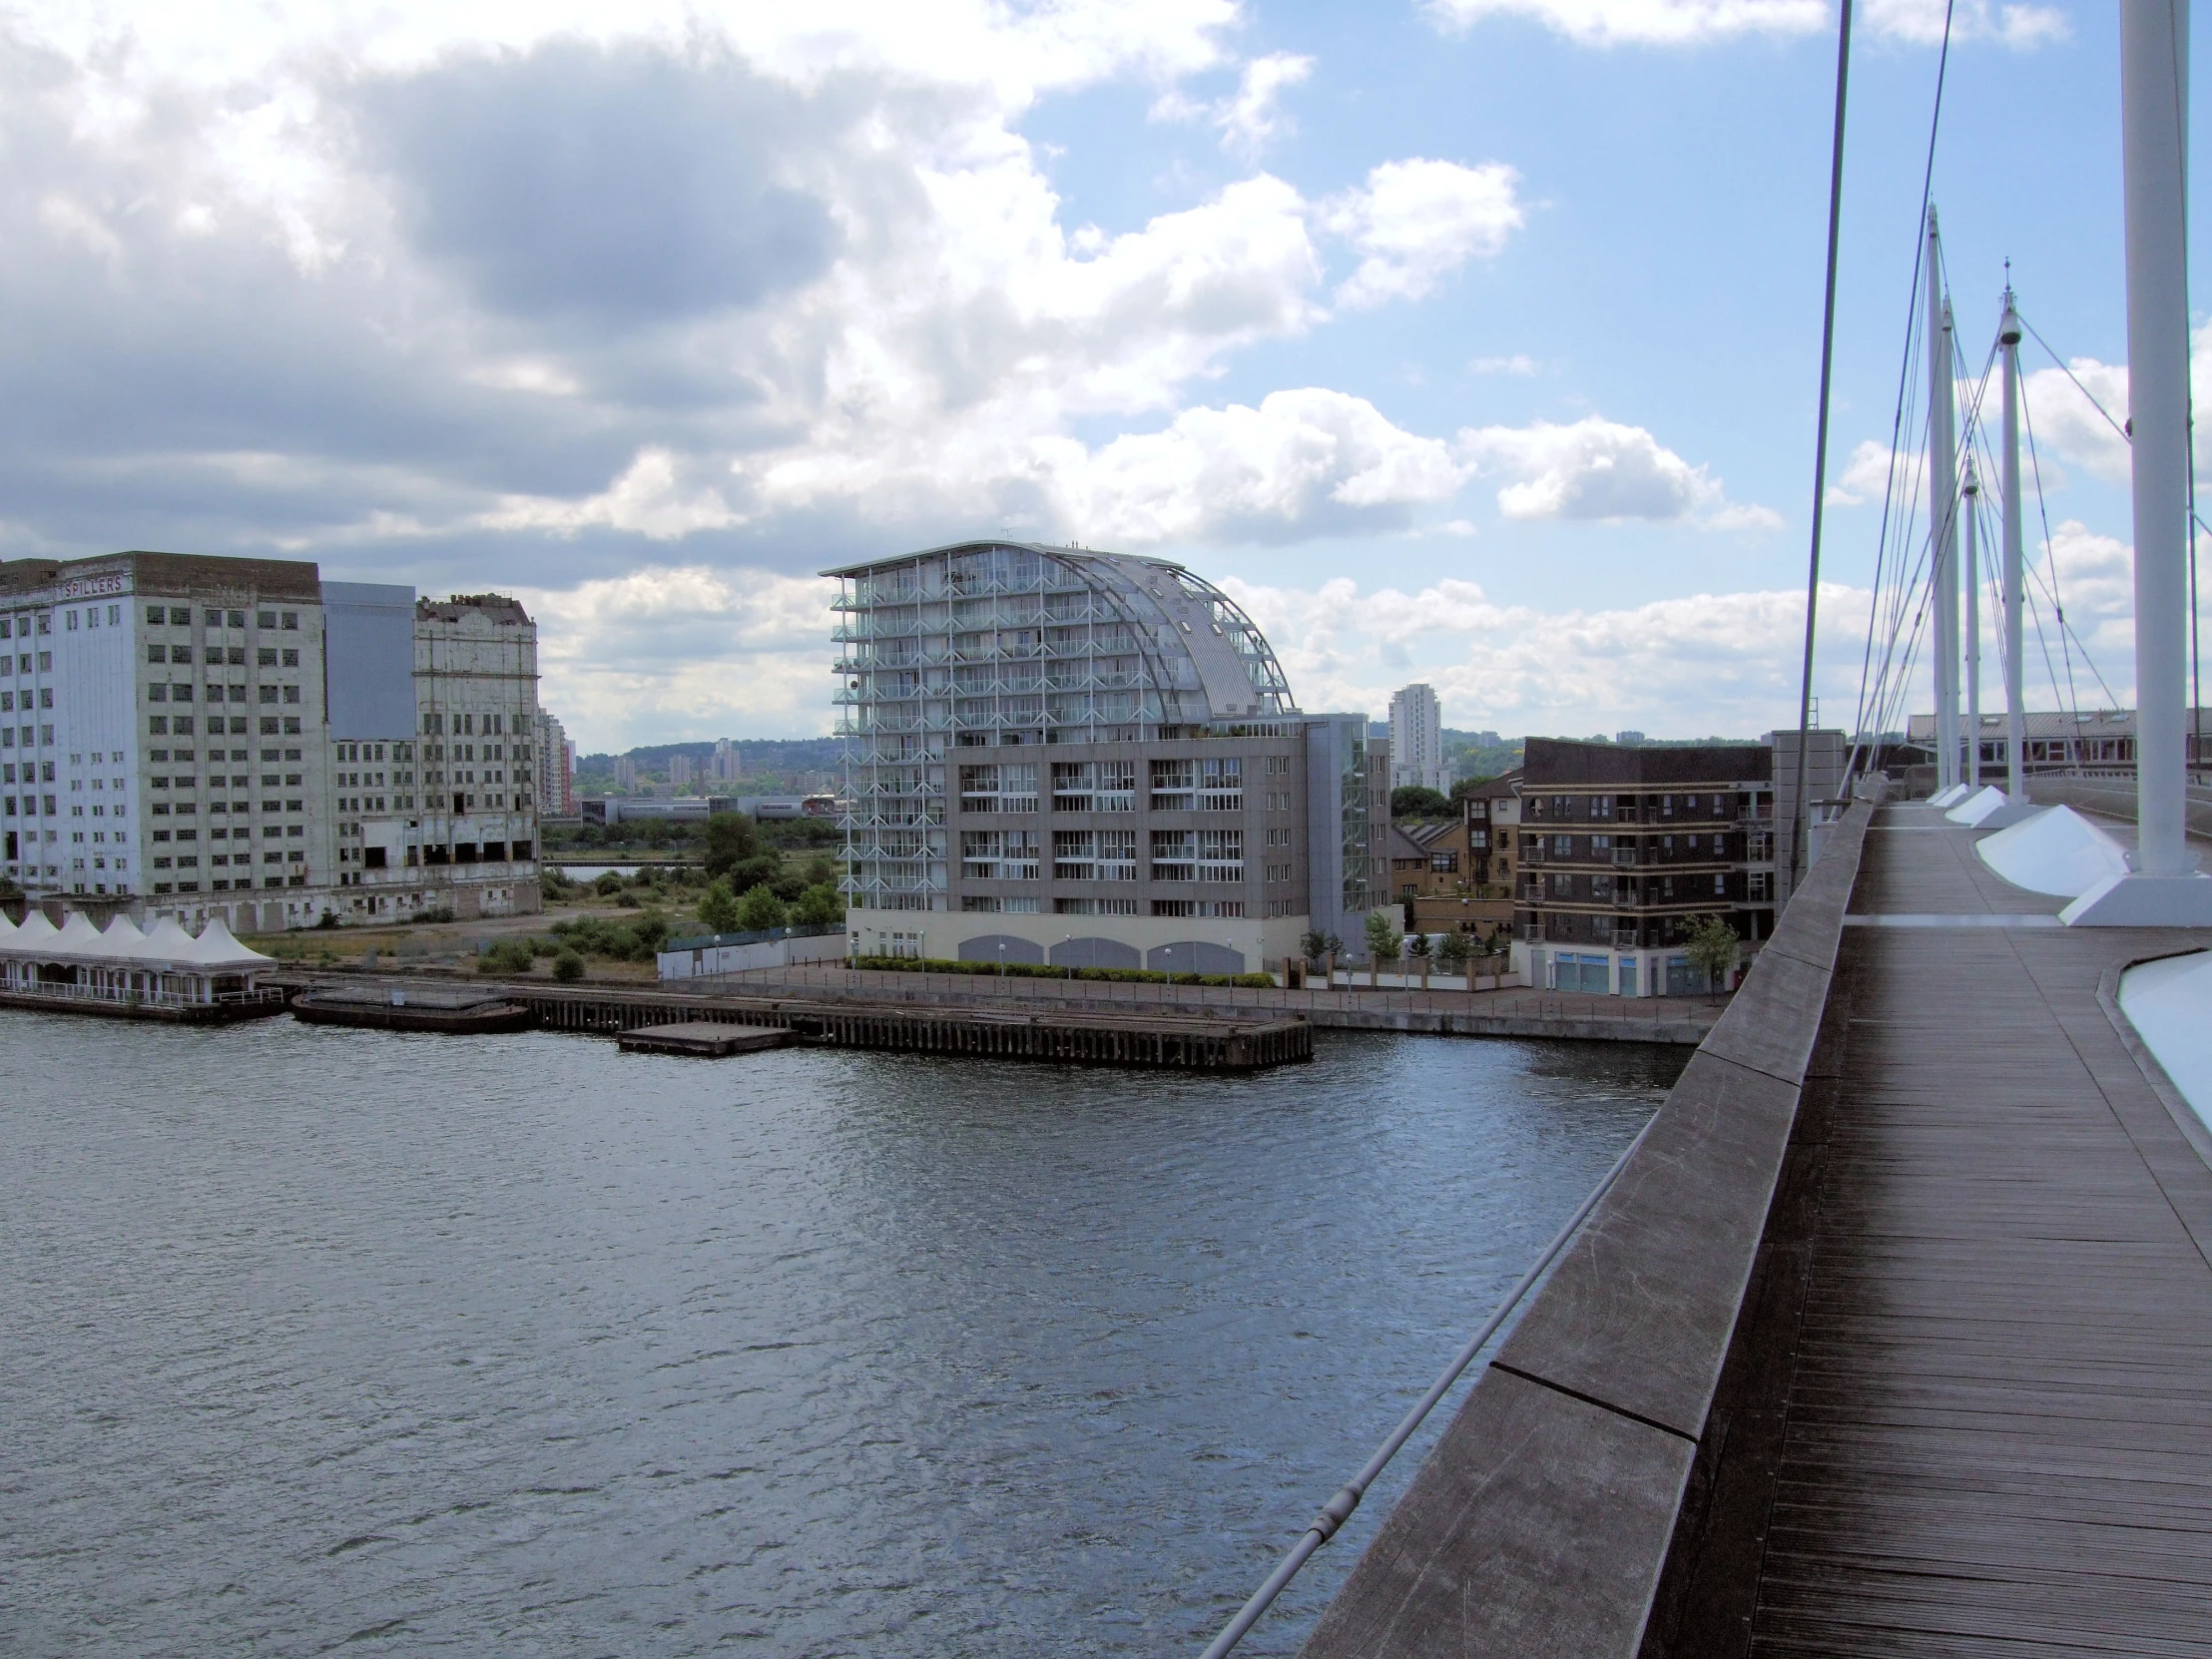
(522, 1346)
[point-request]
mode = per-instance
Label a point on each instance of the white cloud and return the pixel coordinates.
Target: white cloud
(684, 650)
(1691, 666)
(1650, 22)
(1253, 472)
(1251, 118)
(1417, 221)
(1695, 22)
(1518, 363)
(647, 500)
(2068, 423)
(1865, 478)
(1591, 470)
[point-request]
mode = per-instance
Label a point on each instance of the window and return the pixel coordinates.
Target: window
(267, 693)
(999, 854)
(1174, 785)
(1220, 855)
(266, 656)
(999, 788)
(1174, 851)
(156, 653)
(1279, 762)
(291, 660)
(1221, 785)
(1444, 863)
(1561, 845)
(1074, 854)
(291, 619)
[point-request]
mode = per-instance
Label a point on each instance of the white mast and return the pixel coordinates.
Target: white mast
(2163, 888)
(2015, 721)
(1970, 582)
(1943, 514)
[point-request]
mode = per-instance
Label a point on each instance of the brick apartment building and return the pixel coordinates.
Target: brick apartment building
(1621, 850)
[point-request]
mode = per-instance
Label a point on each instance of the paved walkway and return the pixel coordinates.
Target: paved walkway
(1997, 1431)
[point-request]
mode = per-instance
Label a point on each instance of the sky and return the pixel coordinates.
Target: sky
(1472, 341)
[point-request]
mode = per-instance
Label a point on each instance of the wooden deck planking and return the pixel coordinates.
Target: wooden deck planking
(1999, 1414)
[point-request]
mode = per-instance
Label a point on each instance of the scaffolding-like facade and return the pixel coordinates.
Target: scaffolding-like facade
(1005, 645)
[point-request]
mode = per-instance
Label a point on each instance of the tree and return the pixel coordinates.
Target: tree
(1384, 944)
(718, 911)
(1417, 947)
(760, 908)
(1416, 801)
(1712, 948)
(732, 839)
(1451, 952)
(1464, 787)
(820, 905)
(568, 967)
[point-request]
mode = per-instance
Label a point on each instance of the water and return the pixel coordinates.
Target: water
(592, 872)
(523, 1346)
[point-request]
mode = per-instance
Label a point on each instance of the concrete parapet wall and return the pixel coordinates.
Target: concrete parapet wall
(1543, 1521)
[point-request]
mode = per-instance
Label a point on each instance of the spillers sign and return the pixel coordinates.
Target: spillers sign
(94, 587)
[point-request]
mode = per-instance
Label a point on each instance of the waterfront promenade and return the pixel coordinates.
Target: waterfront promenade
(1510, 1011)
(1895, 1337)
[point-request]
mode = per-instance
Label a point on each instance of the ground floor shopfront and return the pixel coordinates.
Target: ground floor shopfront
(1596, 971)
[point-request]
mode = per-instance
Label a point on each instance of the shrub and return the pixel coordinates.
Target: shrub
(731, 839)
(443, 912)
(651, 932)
(608, 885)
(505, 956)
(568, 967)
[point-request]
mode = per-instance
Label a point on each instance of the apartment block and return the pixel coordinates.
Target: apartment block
(206, 737)
(1056, 755)
(1622, 850)
(556, 767)
(1417, 741)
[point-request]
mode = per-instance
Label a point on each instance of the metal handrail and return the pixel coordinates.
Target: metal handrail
(1338, 1508)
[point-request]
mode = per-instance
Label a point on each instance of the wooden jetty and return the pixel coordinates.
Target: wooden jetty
(706, 1039)
(1069, 1035)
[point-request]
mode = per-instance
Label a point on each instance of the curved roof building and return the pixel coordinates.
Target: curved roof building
(1043, 734)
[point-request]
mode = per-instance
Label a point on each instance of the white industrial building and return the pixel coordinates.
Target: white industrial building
(237, 740)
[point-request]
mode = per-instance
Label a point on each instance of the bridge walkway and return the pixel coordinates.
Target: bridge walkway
(1997, 1423)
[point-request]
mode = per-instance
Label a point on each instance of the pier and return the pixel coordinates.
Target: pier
(1895, 1336)
(1179, 1041)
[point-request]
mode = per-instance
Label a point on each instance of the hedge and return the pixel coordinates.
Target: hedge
(1041, 970)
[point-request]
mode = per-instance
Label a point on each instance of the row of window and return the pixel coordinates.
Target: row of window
(8, 699)
(22, 628)
(987, 904)
(33, 772)
(1103, 854)
(270, 831)
(1206, 785)
(268, 656)
(182, 692)
(23, 662)
(1566, 846)
(181, 725)
(187, 781)
(191, 860)
(1601, 807)
(186, 809)
(180, 616)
